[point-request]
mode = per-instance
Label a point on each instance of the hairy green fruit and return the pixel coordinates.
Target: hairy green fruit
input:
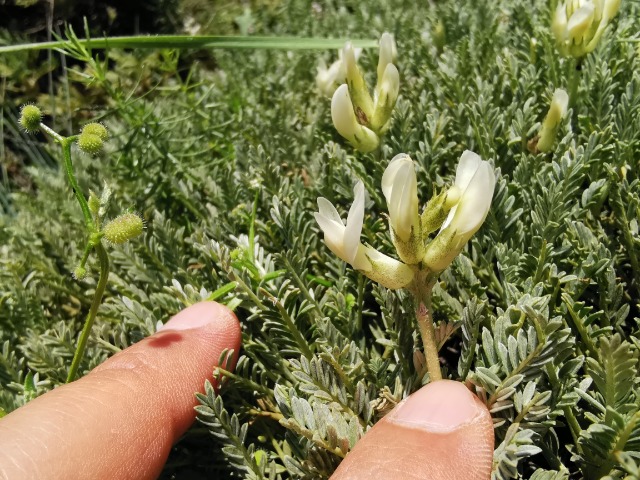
(30, 118)
(90, 143)
(123, 228)
(95, 129)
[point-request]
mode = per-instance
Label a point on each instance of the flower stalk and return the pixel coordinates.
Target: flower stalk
(122, 228)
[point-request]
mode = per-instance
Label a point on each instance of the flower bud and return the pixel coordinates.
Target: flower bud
(358, 91)
(123, 228)
(386, 97)
(90, 143)
(551, 124)
(436, 210)
(94, 203)
(476, 181)
(95, 129)
(387, 55)
(346, 123)
(400, 188)
(79, 273)
(30, 118)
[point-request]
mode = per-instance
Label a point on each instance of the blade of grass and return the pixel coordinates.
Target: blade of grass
(186, 41)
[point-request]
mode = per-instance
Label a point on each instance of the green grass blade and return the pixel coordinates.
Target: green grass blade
(185, 41)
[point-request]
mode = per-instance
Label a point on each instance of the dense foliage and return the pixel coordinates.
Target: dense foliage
(225, 158)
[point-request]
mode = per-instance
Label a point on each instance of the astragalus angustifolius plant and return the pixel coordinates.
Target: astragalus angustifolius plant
(507, 209)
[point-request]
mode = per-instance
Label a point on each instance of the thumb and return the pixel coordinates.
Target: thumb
(121, 420)
(441, 432)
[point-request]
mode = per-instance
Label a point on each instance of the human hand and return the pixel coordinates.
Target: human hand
(108, 425)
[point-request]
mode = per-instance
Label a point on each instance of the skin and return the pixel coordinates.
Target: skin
(106, 425)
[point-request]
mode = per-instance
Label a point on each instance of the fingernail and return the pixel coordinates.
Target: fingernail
(441, 406)
(194, 316)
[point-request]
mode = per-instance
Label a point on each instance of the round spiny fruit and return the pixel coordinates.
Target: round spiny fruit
(95, 129)
(123, 228)
(30, 118)
(90, 143)
(79, 273)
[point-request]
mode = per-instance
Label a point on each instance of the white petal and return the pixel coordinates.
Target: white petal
(561, 101)
(387, 52)
(390, 173)
(580, 21)
(333, 235)
(559, 24)
(469, 163)
(342, 113)
(327, 210)
(354, 223)
(474, 204)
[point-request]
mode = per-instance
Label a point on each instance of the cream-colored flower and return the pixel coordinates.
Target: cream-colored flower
(343, 239)
(346, 123)
(474, 186)
(329, 79)
(549, 129)
(388, 54)
(400, 188)
(372, 113)
(578, 24)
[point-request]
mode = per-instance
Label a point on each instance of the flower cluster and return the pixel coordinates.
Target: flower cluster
(458, 213)
(358, 116)
(579, 24)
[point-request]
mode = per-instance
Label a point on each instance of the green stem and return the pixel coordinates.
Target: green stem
(422, 292)
(97, 300)
(574, 81)
(66, 143)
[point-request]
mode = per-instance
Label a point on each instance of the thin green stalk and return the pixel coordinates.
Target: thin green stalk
(422, 292)
(574, 81)
(97, 300)
(66, 153)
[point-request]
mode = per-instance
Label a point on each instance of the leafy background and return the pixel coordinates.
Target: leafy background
(224, 154)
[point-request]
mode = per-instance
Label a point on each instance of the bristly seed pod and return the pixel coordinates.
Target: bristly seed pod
(123, 228)
(30, 118)
(90, 143)
(95, 129)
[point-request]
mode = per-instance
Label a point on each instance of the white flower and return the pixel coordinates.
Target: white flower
(344, 241)
(346, 123)
(474, 186)
(400, 188)
(388, 54)
(328, 79)
(579, 24)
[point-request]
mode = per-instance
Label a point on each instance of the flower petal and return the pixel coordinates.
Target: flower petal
(355, 220)
(475, 202)
(469, 163)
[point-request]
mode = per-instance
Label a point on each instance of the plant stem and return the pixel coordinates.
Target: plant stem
(574, 81)
(66, 143)
(97, 300)
(422, 293)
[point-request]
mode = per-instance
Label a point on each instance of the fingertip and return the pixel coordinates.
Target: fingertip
(441, 432)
